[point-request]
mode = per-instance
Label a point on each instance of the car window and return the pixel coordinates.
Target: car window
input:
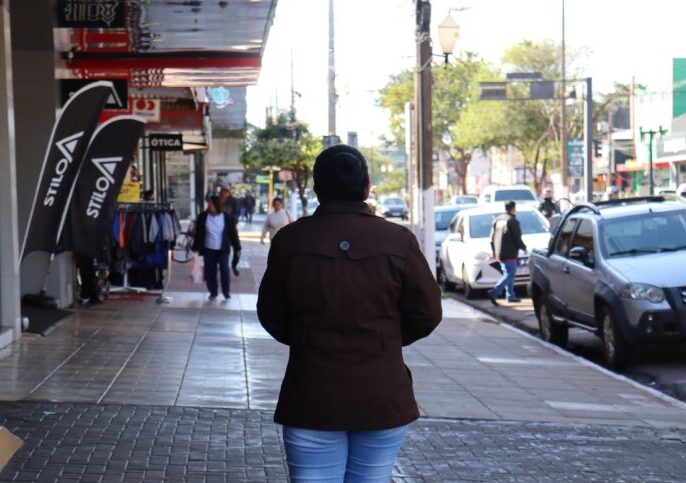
(480, 225)
(443, 218)
(647, 233)
(584, 238)
(531, 222)
(514, 195)
(562, 245)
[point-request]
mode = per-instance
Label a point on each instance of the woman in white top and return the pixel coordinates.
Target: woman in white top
(275, 220)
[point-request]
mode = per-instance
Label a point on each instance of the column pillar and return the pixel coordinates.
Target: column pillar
(36, 103)
(10, 308)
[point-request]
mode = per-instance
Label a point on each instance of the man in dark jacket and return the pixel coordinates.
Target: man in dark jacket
(230, 203)
(345, 290)
(506, 241)
(549, 208)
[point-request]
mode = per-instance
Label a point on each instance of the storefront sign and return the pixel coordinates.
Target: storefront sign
(165, 142)
(148, 109)
(671, 145)
(91, 14)
(262, 179)
(118, 98)
(285, 176)
(130, 192)
(63, 159)
(575, 158)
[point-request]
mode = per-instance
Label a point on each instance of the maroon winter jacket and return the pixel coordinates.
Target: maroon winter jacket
(346, 290)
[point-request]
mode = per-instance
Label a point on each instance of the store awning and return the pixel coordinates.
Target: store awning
(633, 165)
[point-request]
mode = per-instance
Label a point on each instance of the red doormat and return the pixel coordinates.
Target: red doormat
(137, 297)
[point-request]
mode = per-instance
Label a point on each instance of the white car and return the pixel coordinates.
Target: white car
(521, 194)
(466, 258)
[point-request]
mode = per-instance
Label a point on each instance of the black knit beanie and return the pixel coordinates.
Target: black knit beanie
(340, 174)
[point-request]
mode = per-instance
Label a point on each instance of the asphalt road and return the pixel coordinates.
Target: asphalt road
(662, 368)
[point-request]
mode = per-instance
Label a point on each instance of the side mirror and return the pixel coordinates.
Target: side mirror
(580, 254)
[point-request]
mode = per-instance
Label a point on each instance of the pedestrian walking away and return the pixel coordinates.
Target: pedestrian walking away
(230, 203)
(215, 235)
(249, 206)
(506, 241)
(346, 290)
(549, 207)
(275, 220)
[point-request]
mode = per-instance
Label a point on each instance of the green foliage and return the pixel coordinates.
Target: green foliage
(286, 145)
(385, 176)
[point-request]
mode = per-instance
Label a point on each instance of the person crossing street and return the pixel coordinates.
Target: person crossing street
(506, 241)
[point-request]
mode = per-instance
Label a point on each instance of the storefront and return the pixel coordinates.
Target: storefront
(635, 176)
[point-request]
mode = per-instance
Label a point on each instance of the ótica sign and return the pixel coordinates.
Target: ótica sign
(165, 142)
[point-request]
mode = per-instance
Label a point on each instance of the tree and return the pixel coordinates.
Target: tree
(285, 144)
(536, 123)
(383, 174)
(459, 121)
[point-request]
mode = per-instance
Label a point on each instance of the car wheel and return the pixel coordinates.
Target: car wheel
(446, 285)
(615, 348)
(469, 292)
(551, 331)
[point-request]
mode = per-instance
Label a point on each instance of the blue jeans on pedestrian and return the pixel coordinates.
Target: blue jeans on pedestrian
(211, 259)
(342, 456)
(507, 281)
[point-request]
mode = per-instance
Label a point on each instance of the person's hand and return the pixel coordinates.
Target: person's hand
(238, 253)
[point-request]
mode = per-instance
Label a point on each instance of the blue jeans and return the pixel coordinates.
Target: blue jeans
(507, 281)
(212, 258)
(342, 456)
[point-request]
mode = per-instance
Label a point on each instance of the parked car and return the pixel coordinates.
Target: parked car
(312, 205)
(464, 200)
(445, 217)
(616, 269)
(522, 194)
(466, 257)
(393, 206)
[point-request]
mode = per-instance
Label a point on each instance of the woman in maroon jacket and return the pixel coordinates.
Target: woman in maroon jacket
(346, 290)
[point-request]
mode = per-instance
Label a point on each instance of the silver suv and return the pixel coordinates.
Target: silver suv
(616, 268)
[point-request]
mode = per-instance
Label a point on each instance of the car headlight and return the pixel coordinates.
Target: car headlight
(642, 291)
(483, 256)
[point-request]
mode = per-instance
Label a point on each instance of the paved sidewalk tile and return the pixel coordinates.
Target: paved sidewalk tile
(115, 443)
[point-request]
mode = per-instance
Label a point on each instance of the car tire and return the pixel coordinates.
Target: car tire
(550, 331)
(467, 289)
(615, 348)
(445, 284)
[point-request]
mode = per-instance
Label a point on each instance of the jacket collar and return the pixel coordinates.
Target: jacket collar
(358, 207)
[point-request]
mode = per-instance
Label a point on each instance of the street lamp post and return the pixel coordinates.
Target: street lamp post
(651, 133)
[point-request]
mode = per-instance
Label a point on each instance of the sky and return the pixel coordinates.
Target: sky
(375, 39)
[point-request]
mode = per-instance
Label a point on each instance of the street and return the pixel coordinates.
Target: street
(662, 368)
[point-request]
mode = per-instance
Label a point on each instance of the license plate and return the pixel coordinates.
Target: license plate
(523, 270)
(523, 262)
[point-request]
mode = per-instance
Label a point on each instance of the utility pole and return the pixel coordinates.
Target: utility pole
(588, 129)
(332, 74)
(423, 114)
(563, 110)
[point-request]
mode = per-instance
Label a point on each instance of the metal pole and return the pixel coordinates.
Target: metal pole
(563, 110)
(588, 129)
(651, 136)
(424, 130)
(332, 74)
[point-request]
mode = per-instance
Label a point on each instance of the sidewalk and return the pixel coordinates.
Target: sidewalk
(135, 391)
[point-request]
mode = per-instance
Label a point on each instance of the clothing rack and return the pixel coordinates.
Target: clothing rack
(153, 208)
